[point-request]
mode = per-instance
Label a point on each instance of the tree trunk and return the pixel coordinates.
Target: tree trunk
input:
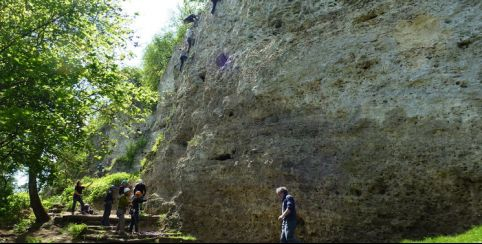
(39, 211)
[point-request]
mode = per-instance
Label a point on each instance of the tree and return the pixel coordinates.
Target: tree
(58, 71)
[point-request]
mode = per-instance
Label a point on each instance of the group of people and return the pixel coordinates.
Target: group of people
(126, 201)
(287, 217)
(189, 40)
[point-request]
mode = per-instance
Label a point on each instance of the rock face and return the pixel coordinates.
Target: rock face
(368, 111)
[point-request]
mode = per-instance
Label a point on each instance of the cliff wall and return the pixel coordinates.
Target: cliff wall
(368, 111)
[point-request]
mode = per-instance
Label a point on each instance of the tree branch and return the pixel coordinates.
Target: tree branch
(29, 32)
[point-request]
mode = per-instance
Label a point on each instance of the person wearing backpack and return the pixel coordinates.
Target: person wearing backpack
(124, 203)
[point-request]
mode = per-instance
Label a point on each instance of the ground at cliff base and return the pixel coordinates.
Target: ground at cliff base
(472, 236)
(67, 228)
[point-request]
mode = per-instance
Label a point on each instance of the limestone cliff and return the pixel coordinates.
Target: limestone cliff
(368, 111)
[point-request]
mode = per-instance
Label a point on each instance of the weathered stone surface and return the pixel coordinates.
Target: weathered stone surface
(368, 111)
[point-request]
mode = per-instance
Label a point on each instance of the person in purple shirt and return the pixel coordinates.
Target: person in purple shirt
(288, 216)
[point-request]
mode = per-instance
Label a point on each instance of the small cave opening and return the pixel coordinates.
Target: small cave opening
(223, 157)
(202, 76)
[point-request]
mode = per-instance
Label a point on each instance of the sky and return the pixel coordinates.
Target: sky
(154, 16)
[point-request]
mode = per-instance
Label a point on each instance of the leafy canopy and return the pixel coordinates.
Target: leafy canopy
(59, 74)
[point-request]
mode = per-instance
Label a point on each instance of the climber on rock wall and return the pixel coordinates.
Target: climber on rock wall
(192, 18)
(189, 39)
(215, 2)
(183, 59)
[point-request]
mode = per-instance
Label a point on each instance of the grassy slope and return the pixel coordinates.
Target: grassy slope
(472, 236)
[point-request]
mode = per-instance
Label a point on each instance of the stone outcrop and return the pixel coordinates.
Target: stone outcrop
(368, 111)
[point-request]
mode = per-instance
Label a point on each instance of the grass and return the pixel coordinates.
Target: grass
(472, 236)
(31, 239)
(76, 230)
(180, 235)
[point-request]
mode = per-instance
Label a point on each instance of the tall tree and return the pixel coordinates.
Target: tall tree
(58, 70)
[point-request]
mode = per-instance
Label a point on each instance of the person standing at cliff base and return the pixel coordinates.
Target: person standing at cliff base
(124, 203)
(287, 217)
(135, 211)
(108, 200)
(78, 196)
(141, 187)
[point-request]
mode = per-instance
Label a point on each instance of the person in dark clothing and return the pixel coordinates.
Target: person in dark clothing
(183, 59)
(142, 188)
(189, 39)
(108, 200)
(191, 19)
(78, 197)
(135, 211)
(123, 185)
(215, 2)
(288, 216)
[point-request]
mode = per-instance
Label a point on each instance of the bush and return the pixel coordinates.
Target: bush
(31, 239)
(53, 200)
(76, 230)
(16, 208)
(131, 151)
(96, 192)
(24, 224)
(97, 189)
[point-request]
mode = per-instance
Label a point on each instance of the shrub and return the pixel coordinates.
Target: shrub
(131, 151)
(49, 202)
(31, 239)
(76, 230)
(15, 209)
(96, 192)
(24, 224)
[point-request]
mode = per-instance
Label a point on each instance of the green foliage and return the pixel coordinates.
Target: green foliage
(99, 186)
(131, 151)
(31, 239)
(76, 230)
(156, 58)
(15, 208)
(158, 53)
(157, 143)
(67, 195)
(59, 74)
(472, 236)
(180, 235)
(24, 224)
(53, 200)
